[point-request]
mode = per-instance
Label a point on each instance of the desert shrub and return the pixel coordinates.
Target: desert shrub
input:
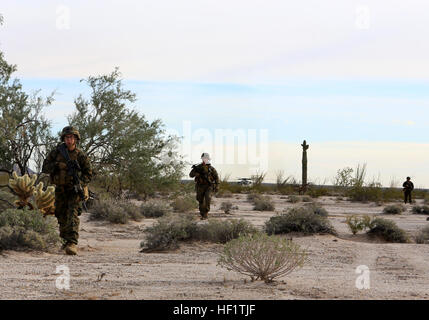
(263, 204)
(115, 211)
(357, 224)
(6, 199)
(316, 209)
(372, 192)
(222, 231)
(27, 229)
(154, 209)
(263, 257)
(166, 233)
(394, 209)
(184, 204)
(169, 230)
(299, 220)
(423, 235)
(226, 207)
(387, 230)
(224, 193)
(306, 199)
(293, 199)
(421, 210)
(316, 192)
(426, 200)
(254, 196)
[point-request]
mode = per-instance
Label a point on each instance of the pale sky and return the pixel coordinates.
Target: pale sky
(351, 77)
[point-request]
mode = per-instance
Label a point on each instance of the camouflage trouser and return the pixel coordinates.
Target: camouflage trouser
(204, 194)
(407, 196)
(67, 211)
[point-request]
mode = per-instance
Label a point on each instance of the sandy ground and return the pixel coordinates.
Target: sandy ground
(110, 266)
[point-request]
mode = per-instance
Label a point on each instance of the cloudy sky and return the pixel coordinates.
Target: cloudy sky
(350, 77)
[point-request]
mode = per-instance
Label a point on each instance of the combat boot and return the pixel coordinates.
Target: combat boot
(204, 216)
(71, 249)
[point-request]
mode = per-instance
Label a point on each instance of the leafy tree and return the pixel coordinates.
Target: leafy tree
(24, 131)
(127, 151)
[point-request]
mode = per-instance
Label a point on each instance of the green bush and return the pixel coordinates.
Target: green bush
(184, 204)
(357, 224)
(263, 257)
(316, 209)
(27, 229)
(299, 220)
(387, 230)
(421, 210)
(394, 209)
(115, 211)
(423, 235)
(166, 233)
(358, 193)
(263, 204)
(6, 199)
(170, 230)
(316, 192)
(154, 209)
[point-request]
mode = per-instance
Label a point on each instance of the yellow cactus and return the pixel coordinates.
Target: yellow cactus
(23, 187)
(45, 200)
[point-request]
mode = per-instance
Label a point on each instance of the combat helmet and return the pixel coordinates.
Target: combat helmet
(70, 130)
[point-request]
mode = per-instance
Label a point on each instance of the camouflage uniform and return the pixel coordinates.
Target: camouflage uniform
(203, 187)
(408, 187)
(67, 203)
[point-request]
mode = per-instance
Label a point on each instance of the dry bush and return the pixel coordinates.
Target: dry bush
(226, 207)
(222, 231)
(154, 209)
(184, 204)
(293, 199)
(166, 233)
(263, 257)
(169, 230)
(299, 220)
(306, 199)
(27, 229)
(387, 230)
(263, 204)
(223, 193)
(254, 196)
(421, 210)
(115, 211)
(394, 209)
(317, 209)
(423, 235)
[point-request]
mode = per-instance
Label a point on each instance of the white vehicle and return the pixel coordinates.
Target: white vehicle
(245, 181)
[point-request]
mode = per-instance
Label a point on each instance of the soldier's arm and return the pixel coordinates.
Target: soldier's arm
(215, 176)
(86, 169)
(49, 163)
(194, 172)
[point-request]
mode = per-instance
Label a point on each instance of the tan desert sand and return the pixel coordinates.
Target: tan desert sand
(111, 266)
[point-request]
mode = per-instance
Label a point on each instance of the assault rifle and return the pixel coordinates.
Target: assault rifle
(72, 168)
(204, 175)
